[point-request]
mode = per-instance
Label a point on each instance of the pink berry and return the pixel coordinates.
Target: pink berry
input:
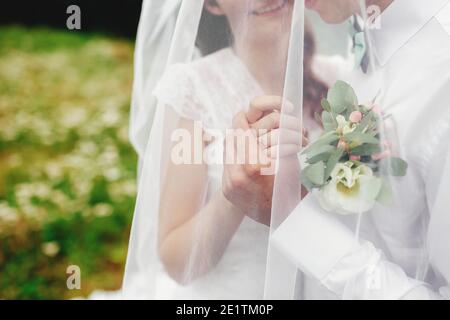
(381, 155)
(342, 144)
(355, 116)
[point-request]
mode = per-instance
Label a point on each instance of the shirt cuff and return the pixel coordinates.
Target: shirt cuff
(313, 239)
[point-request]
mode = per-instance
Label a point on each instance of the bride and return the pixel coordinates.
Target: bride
(188, 241)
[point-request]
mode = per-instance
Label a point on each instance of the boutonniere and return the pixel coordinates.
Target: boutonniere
(348, 166)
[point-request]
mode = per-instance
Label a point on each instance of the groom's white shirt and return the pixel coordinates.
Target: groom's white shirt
(404, 250)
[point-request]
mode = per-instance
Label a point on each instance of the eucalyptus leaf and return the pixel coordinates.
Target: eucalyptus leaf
(398, 167)
(341, 96)
(366, 149)
(326, 139)
(316, 173)
(320, 149)
(328, 121)
(323, 157)
(325, 105)
(332, 161)
(305, 181)
(360, 138)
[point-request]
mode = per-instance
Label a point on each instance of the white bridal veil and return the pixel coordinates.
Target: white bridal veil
(365, 230)
(187, 241)
(156, 27)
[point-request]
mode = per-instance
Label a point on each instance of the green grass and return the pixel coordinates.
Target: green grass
(42, 39)
(67, 171)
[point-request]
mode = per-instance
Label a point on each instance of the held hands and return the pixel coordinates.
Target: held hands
(267, 135)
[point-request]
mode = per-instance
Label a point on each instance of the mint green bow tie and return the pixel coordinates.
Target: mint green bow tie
(359, 45)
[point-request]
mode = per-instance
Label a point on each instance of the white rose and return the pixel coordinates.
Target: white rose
(353, 189)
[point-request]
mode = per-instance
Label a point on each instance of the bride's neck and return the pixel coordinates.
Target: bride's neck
(267, 63)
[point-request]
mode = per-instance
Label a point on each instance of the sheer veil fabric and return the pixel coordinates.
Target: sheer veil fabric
(156, 27)
(321, 247)
(198, 97)
(206, 66)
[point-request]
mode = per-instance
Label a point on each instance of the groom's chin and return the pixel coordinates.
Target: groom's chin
(333, 18)
(333, 11)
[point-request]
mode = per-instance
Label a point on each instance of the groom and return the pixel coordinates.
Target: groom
(411, 50)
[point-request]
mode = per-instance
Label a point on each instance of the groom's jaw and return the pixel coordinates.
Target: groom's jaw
(333, 11)
(338, 11)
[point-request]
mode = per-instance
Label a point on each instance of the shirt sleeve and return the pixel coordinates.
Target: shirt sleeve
(325, 249)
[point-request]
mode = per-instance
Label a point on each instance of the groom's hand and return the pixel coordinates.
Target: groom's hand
(279, 133)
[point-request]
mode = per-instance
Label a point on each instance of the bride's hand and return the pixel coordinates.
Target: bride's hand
(243, 183)
(282, 137)
(247, 185)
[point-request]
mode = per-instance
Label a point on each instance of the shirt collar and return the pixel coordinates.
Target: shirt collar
(399, 23)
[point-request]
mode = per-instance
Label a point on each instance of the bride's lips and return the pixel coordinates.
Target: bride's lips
(271, 8)
(310, 4)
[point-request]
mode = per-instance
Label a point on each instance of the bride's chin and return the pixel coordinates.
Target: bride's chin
(269, 40)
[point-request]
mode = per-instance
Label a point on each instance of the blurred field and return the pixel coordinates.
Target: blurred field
(67, 171)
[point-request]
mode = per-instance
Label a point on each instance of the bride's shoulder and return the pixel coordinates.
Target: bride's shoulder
(184, 85)
(188, 77)
(202, 66)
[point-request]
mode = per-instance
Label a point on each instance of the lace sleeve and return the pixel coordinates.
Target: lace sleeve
(177, 90)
